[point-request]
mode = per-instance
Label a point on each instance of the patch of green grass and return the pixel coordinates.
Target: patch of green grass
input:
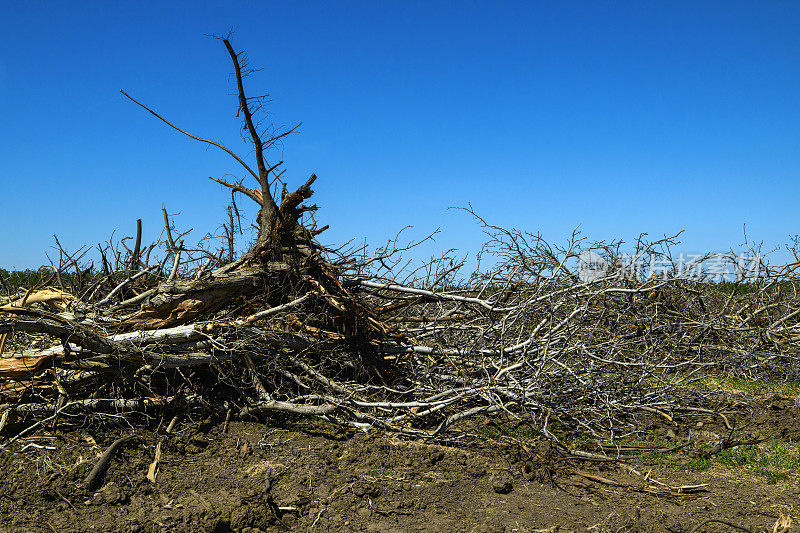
(698, 464)
(653, 457)
(738, 457)
(491, 431)
(774, 463)
(787, 388)
(772, 477)
(380, 472)
(785, 456)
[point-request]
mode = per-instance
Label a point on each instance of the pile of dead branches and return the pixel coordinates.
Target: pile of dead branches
(291, 326)
(534, 336)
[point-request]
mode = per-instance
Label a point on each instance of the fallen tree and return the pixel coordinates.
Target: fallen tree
(290, 326)
(285, 267)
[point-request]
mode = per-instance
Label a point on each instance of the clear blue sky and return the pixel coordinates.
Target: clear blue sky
(625, 117)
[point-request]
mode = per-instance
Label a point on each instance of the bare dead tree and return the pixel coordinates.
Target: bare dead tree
(283, 247)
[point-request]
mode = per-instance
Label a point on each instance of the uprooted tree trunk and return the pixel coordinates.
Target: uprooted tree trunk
(284, 253)
(212, 317)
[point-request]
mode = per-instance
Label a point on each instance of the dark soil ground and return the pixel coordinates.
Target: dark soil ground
(308, 476)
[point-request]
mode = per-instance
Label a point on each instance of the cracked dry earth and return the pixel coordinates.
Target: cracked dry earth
(302, 476)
